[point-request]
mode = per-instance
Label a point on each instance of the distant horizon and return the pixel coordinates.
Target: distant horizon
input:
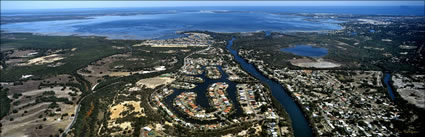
(69, 5)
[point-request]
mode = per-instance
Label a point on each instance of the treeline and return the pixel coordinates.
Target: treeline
(4, 102)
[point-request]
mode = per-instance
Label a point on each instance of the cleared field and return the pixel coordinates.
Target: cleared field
(154, 82)
(44, 59)
(116, 110)
(307, 63)
(119, 74)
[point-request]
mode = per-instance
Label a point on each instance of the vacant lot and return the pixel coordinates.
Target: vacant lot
(154, 82)
(311, 63)
(126, 106)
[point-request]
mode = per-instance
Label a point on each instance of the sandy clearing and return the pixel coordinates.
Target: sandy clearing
(121, 107)
(161, 45)
(309, 63)
(154, 82)
(122, 125)
(168, 123)
(44, 59)
(119, 74)
(168, 51)
(322, 64)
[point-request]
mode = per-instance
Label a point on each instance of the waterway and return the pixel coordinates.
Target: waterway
(299, 122)
(202, 99)
(387, 79)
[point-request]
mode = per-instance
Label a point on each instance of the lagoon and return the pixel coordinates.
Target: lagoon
(306, 50)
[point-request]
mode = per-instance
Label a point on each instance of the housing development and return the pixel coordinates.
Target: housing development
(253, 104)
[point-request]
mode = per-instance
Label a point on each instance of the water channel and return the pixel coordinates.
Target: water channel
(299, 122)
(202, 99)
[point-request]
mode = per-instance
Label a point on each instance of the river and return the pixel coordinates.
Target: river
(387, 78)
(299, 122)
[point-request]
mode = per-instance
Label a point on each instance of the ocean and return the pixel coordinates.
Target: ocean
(151, 23)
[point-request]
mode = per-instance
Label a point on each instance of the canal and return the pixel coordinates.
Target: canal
(299, 122)
(202, 99)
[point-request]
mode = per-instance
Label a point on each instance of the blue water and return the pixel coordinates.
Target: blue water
(355, 10)
(387, 79)
(148, 23)
(147, 26)
(306, 50)
(299, 122)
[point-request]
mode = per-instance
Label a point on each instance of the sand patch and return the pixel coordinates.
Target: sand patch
(122, 125)
(123, 106)
(116, 47)
(154, 82)
(185, 50)
(117, 112)
(168, 123)
(119, 74)
(44, 59)
(308, 63)
(168, 51)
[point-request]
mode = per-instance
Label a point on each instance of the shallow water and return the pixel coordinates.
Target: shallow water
(161, 22)
(148, 26)
(306, 50)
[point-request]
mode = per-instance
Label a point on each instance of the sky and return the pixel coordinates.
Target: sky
(22, 5)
